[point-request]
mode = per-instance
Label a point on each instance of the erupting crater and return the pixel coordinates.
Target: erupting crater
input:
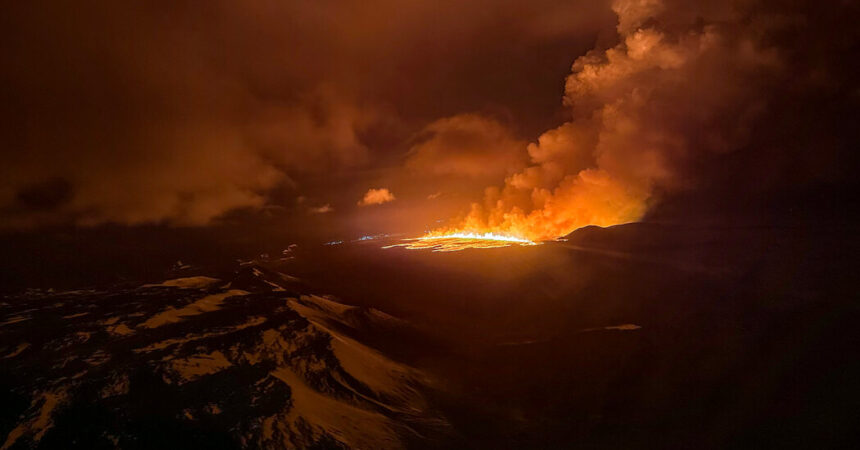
(452, 242)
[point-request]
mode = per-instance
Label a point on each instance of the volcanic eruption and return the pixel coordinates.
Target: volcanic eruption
(208, 217)
(671, 92)
(451, 242)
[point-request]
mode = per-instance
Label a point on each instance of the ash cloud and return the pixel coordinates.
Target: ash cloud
(656, 114)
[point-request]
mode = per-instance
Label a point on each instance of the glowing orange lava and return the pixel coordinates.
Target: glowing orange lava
(453, 242)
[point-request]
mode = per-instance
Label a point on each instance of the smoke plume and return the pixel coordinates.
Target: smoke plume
(675, 89)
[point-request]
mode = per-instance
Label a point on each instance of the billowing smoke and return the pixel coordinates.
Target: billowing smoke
(675, 89)
(132, 113)
(467, 145)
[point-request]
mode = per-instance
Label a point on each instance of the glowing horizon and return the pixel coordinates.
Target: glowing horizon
(462, 240)
(489, 236)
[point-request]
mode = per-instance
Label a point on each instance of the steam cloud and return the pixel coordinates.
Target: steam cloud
(669, 94)
(376, 197)
(323, 209)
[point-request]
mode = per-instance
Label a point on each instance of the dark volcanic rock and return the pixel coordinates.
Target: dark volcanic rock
(200, 362)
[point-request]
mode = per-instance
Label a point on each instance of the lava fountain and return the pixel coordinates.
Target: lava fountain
(457, 241)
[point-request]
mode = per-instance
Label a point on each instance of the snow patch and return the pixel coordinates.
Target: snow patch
(354, 426)
(206, 304)
(186, 283)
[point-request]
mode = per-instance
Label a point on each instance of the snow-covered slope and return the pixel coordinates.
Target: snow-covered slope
(239, 362)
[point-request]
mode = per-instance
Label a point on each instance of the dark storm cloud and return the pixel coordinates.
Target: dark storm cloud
(179, 112)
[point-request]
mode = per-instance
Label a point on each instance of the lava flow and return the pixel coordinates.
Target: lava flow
(462, 240)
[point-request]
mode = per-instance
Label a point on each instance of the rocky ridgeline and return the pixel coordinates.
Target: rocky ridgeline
(242, 361)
